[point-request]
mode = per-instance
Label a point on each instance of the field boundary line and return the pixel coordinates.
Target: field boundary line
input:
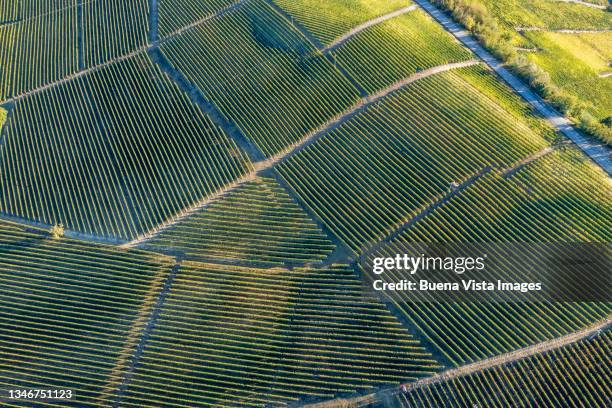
(149, 322)
(499, 360)
(338, 42)
(290, 151)
(597, 151)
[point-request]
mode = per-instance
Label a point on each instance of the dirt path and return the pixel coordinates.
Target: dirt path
(468, 369)
(264, 165)
(597, 151)
(583, 3)
(341, 40)
(149, 318)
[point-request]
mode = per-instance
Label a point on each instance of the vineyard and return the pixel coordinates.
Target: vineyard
(396, 49)
(404, 153)
(559, 198)
(140, 138)
(231, 336)
(71, 330)
(329, 19)
(574, 376)
(190, 192)
(257, 222)
(290, 90)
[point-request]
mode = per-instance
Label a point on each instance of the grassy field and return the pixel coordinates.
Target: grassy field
(271, 84)
(574, 376)
(131, 154)
(576, 63)
(396, 49)
(376, 171)
(231, 336)
(71, 314)
(257, 222)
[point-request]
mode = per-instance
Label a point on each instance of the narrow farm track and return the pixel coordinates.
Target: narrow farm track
(510, 171)
(502, 359)
(583, 3)
(597, 151)
(146, 333)
(265, 165)
(425, 212)
(341, 40)
(67, 233)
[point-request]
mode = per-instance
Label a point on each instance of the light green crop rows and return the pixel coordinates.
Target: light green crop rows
(575, 376)
(391, 51)
(330, 19)
(231, 336)
(264, 76)
(258, 222)
(559, 198)
(174, 15)
(112, 28)
(71, 314)
(374, 173)
(133, 151)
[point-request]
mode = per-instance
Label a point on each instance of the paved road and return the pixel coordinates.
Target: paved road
(597, 151)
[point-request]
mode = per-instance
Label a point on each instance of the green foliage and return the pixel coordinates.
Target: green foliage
(132, 152)
(475, 17)
(562, 197)
(72, 313)
(275, 97)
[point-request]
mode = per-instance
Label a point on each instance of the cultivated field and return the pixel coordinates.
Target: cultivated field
(188, 188)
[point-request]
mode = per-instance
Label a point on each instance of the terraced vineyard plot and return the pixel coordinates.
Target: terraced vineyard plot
(174, 15)
(231, 336)
(375, 172)
(258, 222)
(330, 19)
(574, 376)
(270, 82)
(132, 153)
(559, 198)
(71, 314)
(112, 28)
(29, 60)
(488, 83)
(391, 51)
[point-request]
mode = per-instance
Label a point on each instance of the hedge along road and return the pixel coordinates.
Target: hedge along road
(598, 152)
